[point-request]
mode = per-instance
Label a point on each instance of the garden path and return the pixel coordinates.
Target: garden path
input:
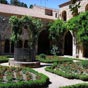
(56, 81)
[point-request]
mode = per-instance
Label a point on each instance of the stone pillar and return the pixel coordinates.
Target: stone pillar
(2, 46)
(74, 47)
(81, 51)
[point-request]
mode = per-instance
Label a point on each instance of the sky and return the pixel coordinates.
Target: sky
(45, 3)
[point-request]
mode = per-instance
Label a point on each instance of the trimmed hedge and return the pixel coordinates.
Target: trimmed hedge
(4, 59)
(83, 85)
(42, 82)
(54, 59)
(66, 75)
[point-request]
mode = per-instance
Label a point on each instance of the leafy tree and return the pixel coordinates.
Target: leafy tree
(75, 4)
(33, 27)
(57, 30)
(4, 1)
(18, 3)
(14, 2)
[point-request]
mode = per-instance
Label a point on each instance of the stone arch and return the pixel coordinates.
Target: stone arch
(68, 43)
(86, 7)
(64, 15)
(20, 44)
(7, 46)
(12, 47)
(44, 42)
(85, 51)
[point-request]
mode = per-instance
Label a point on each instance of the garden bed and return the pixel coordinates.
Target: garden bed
(17, 77)
(70, 70)
(50, 59)
(4, 59)
(83, 85)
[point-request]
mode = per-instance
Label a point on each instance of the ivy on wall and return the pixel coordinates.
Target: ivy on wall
(79, 24)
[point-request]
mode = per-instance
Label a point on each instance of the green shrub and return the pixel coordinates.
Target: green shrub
(42, 56)
(85, 63)
(3, 59)
(83, 85)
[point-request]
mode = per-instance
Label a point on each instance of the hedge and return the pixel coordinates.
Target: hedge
(69, 76)
(4, 59)
(83, 85)
(38, 83)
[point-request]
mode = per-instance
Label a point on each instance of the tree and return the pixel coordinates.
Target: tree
(57, 30)
(4, 1)
(33, 27)
(18, 3)
(75, 4)
(14, 2)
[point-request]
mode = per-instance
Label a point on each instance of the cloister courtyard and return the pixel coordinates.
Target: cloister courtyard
(42, 47)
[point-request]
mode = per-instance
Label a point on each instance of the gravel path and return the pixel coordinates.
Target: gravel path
(57, 81)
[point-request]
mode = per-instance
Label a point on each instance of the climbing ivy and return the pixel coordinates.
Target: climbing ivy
(56, 30)
(79, 24)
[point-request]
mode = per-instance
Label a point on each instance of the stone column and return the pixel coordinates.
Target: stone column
(2, 46)
(74, 47)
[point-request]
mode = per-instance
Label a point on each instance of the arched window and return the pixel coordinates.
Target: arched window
(86, 8)
(64, 15)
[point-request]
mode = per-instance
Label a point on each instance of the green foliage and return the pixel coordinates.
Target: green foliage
(18, 3)
(79, 25)
(74, 6)
(43, 56)
(56, 31)
(82, 85)
(43, 81)
(16, 28)
(69, 70)
(3, 59)
(4, 1)
(32, 25)
(57, 28)
(84, 63)
(54, 59)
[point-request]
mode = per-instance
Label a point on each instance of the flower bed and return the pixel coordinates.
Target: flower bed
(17, 77)
(70, 70)
(83, 85)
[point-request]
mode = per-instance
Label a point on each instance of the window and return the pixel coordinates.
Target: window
(64, 15)
(56, 15)
(48, 12)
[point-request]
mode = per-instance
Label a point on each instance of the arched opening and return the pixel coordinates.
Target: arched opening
(20, 44)
(64, 15)
(12, 47)
(85, 51)
(7, 46)
(86, 8)
(44, 42)
(26, 44)
(68, 44)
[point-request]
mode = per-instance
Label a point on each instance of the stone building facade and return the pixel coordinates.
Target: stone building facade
(46, 14)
